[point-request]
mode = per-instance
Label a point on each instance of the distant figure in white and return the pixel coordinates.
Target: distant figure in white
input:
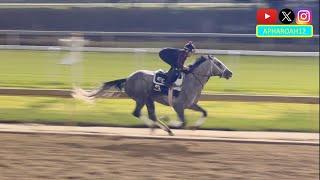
(75, 45)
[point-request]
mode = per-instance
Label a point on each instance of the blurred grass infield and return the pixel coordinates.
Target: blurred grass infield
(115, 112)
(252, 74)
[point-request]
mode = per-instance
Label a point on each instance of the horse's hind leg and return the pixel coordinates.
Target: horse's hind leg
(153, 117)
(151, 110)
(137, 113)
(202, 119)
(137, 110)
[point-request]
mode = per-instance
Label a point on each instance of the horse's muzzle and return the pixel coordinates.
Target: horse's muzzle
(227, 74)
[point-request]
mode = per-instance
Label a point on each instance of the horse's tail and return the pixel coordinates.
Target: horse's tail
(116, 85)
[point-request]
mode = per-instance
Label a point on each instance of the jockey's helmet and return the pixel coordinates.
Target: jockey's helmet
(190, 47)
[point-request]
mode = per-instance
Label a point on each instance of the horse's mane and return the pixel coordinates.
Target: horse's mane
(197, 62)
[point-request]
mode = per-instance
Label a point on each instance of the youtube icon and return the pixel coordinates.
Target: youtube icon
(267, 16)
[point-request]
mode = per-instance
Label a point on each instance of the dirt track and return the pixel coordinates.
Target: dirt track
(40, 156)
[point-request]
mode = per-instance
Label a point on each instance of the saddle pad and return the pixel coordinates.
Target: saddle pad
(159, 77)
(159, 80)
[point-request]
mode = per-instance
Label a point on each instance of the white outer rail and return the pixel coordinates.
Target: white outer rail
(156, 50)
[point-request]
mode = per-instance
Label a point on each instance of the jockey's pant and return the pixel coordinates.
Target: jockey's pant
(172, 76)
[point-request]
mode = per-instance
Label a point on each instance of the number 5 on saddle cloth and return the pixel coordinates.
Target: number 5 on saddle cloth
(159, 86)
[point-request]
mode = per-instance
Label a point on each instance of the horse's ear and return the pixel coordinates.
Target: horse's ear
(210, 56)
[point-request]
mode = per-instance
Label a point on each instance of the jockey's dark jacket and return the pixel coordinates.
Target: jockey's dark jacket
(174, 57)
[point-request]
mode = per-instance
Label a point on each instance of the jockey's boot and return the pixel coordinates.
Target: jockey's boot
(172, 76)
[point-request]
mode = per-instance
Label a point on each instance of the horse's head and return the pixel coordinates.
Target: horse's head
(208, 65)
(218, 68)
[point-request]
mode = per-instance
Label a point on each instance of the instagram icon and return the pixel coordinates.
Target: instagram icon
(304, 17)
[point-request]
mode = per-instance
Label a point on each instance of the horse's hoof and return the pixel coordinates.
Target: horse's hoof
(170, 133)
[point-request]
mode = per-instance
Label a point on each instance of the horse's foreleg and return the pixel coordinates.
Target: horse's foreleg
(202, 119)
(151, 110)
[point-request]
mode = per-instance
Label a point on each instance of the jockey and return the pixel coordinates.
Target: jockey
(175, 58)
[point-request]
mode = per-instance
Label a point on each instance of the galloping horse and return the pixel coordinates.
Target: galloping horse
(139, 87)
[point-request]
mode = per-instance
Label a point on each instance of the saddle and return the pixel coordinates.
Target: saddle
(159, 86)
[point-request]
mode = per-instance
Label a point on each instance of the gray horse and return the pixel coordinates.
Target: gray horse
(139, 86)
